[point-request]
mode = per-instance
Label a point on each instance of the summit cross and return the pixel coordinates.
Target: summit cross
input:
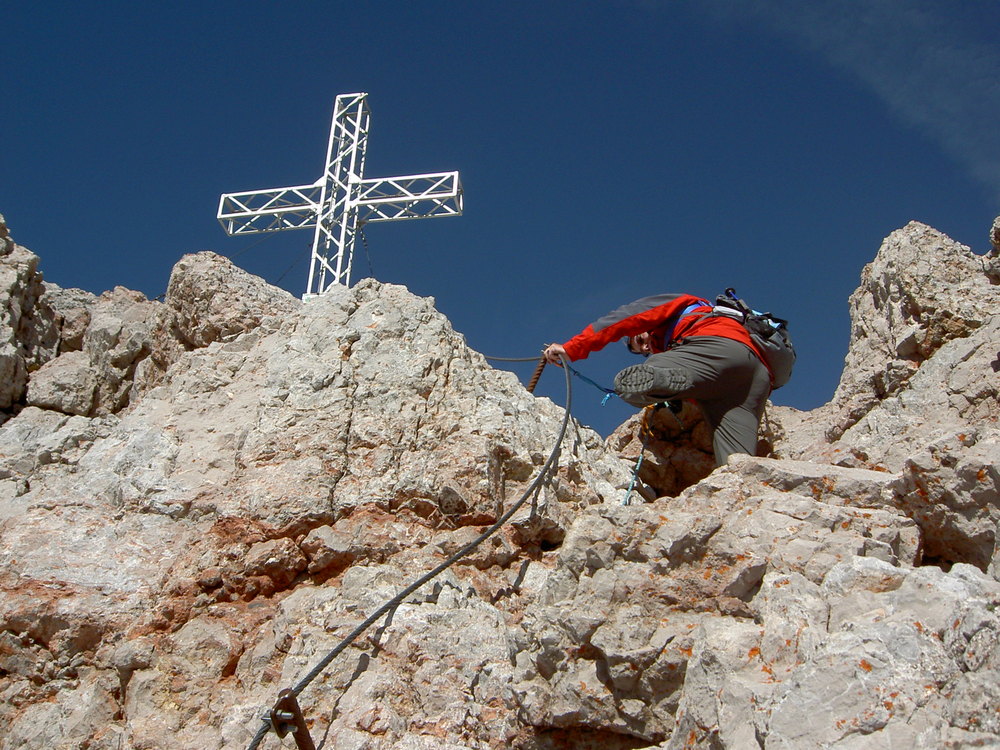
(342, 201)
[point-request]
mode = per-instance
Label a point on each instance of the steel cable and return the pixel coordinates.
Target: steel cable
(512, 359)
(533, 489)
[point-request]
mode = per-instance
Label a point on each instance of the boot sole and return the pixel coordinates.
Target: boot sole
(635, 379)
(643, 379)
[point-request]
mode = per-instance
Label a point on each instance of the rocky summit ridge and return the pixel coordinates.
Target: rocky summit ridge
(200, 497)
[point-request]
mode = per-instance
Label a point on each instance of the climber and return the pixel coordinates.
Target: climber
(691, 354)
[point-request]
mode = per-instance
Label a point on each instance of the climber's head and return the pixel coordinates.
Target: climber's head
(640, 344)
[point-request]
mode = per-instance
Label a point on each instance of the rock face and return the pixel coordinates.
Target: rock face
(200, 498)
(109, 349)
(675, 445)
(919, 392)
(28, 337)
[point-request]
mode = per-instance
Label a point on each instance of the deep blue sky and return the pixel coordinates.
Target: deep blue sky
(608, 150)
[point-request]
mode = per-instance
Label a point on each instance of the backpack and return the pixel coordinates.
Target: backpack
(768, 332)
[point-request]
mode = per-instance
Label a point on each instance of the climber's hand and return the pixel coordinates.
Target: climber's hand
(554, 353)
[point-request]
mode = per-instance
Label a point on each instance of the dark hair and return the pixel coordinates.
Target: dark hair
(628, 345)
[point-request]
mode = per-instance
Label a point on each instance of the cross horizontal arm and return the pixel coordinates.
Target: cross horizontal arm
(270, 210)
(409, 197)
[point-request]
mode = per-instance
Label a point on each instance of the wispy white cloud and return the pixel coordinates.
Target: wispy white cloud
(928, 60)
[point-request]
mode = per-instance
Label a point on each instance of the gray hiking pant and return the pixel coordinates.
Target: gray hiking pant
(726, 379)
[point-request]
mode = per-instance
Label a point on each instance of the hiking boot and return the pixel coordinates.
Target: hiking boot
(646, 380)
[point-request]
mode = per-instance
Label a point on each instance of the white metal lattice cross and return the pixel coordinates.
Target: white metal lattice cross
(340, 202)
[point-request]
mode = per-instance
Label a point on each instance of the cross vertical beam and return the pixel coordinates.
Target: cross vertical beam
(342, 200)
(337, 224)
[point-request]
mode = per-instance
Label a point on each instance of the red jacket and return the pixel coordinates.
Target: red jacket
(667, 318)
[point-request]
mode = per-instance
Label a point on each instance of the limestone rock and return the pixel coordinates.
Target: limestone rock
(211, 300)
(208, 299)
(72, 309)
(127, 341)
(922, 293)
(364, 405)
(867, 656)
(6, 243)
(951, 488)
(117, 338)
(919, 395)
(675, 448)
(67, 383)
(28, 337)
(199, 499)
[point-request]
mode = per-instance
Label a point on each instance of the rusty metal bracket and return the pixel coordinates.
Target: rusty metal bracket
(286, 716)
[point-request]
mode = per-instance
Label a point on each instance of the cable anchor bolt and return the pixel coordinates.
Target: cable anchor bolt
(286, 717)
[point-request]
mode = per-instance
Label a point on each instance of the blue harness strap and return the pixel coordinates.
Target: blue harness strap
(669, 335)
(608, 392)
